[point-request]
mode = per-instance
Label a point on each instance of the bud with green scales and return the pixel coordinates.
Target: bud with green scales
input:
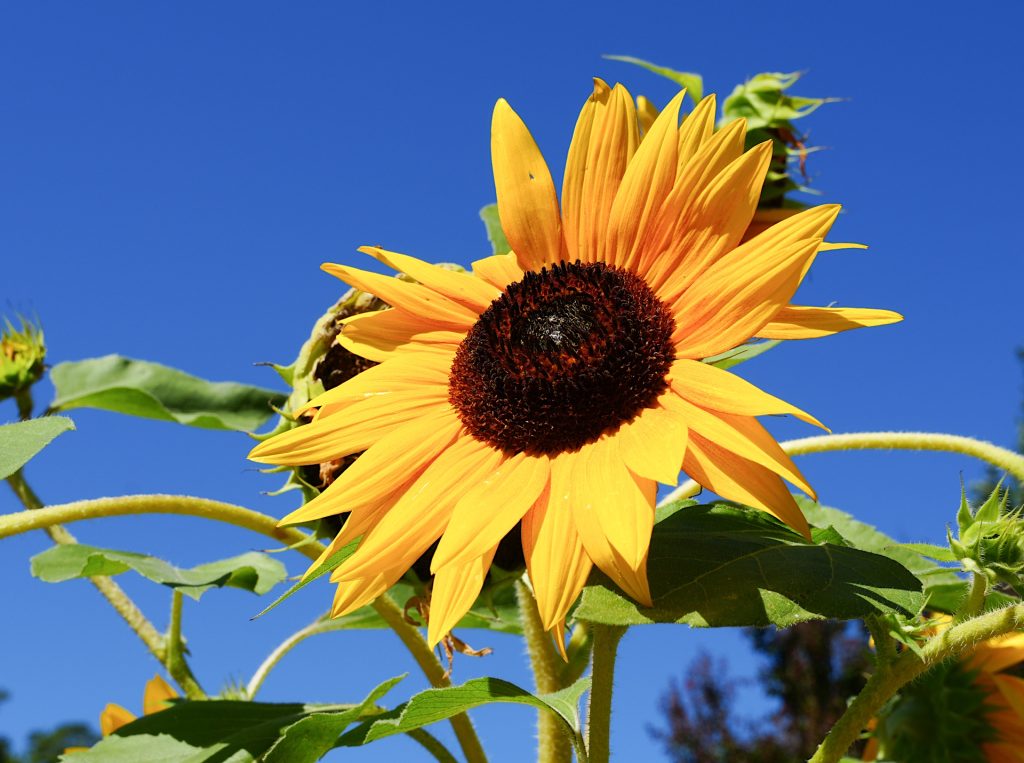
(990, 540)
(22, 362)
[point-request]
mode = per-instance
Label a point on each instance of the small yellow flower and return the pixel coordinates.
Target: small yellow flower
(554, 387)
(155, 698)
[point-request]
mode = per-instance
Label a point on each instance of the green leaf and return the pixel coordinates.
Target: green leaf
(20, 442)
(153, 391)
(726, 565)
(741, 354)
(930, 550)
(435, 705)
(329, 564)
(693, 83)
(495, 233)
(230, 730)
(251, 571)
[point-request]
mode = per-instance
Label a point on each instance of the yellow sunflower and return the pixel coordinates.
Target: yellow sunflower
(156, 697)
(996, 660)
(557, 385)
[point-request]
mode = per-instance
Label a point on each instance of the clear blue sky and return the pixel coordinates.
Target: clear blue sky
(173, 174)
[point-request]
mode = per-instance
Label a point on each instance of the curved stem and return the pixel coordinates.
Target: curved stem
(888, 679)
(431, 744)
(553, 745)
(384, 605)
(268, 664)
(599, 706)
(1001, 458)
(175, 661)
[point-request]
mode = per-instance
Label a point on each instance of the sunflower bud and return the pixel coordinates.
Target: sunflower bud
(991, 539)
(22, 358)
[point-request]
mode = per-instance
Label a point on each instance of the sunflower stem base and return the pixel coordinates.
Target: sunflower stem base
(599, 706)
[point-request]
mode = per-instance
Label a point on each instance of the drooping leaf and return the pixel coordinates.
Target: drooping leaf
(251, 571)
(725, 565)
(229, 730)
(21, 441)
(329, 564)
(741, 354)
(153, 391)
(435, 705)
(495, 234)
(693, 83)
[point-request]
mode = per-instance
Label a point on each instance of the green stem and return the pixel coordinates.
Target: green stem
(268, 664)
(431, 744)
(1001, 458)
(553, 745)
(885, 646)
(599, 706)
(888, 679)
(26, 521)
(976, 597)
(177, 666)
(23, 398)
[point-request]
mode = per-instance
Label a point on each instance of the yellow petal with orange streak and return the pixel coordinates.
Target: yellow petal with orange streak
(603, 143)
(738, 479)
(527, 204)
(998, 653)
(499, 270)
(486, 513)
(744, 436)
(697, 128)
(157, 695)
(712, 155)
(462, 288)
(653, 444)
(698, 230)
(114, 717)
(646, 113)
(394, 459)
(555, 559)
(418, 366)
(646, 184)
(353, 430)
(456, 586)
(382, 334)
(420, 516)
(804, 322)
(718, 390)
(413, 298)
(353, 594)
(1012, 689)
(613, 516)
(737, 296)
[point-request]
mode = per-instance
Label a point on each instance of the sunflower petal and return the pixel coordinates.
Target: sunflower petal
(613, 516)
(697, 128)
(654, 443)
(555, 558)
(394, 459)
(999, 653)
(527, 204)
(743, 436)
(157, 695)
(114, 717)
(455, 588)
(420, 516)
(738, 479)
(462, 288)
(491, 508)
(802, 322)
(603, 143)
(498, 270)
(718, 390)
(412, 297)
(356, 429)
(350, 595)
(381, 334)
(737, 296)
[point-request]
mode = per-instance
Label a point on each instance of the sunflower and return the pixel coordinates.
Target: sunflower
(554, 387)
(974, 705)
(156, 697)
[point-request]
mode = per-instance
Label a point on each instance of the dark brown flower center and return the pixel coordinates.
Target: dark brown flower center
(562, 357)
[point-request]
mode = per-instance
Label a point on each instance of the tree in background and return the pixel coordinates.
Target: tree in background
(812, 668)
(46, 746)
(983, 489)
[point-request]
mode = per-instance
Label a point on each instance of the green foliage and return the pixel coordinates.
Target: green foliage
(435, 705)
(242, 732)
(21, 441)
(726, 565)
(152, 391)
(251, 571)
(741, 354)
(22, 357)
(495, 233)
(990, 540)
(693, 83)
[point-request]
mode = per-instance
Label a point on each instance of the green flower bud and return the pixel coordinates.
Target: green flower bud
(22, 358)
(991, 539)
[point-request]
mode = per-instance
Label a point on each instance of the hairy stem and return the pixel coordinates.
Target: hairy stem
(599, 705)
(553, 745)
(975, 597)
(268, 664)
(1001, 458)
(888, 679)
(175, 661)
(25, 521)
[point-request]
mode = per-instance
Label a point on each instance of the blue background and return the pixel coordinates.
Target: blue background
(173, 174)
